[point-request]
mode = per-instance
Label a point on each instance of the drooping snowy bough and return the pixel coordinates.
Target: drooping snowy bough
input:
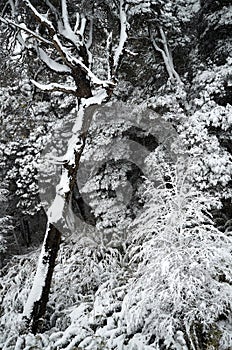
(63, 43)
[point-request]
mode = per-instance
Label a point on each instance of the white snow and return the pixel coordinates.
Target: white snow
(52, 64)
(123, 35)
(54, 86)
(38, 284)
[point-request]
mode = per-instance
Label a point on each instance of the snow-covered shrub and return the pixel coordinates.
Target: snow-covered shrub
(84, 305)
(183, 279)
(16, 279)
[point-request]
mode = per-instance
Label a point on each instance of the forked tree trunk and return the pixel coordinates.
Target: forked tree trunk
(84, 79)
(35, 307)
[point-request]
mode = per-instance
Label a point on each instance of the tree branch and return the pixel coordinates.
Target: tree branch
(42, 19)
(123, 36)
(25, 29)
(167, 56)
(55, 87)
(52, 64)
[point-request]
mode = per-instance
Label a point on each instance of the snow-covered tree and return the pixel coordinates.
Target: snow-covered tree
(164, 282)
(182, 283)
(63, 43)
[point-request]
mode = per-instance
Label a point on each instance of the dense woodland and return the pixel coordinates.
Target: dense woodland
(115, 174)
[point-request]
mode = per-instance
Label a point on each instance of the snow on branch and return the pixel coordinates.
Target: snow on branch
(41, 18)
(25, 29)
(65, 15)
(123, 35)
(55, 87)
(167, 56)
(53, 9)
(65, 28)
(52, 64)
(110, 59)
(71, 62)
(90, 39)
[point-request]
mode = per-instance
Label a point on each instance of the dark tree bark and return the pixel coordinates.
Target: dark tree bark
(52, 245)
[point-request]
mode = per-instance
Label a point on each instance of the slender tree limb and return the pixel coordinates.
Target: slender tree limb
(123, 35)
(41, 18)
(90, 38)
(110, 58)
(25, 29)
(55, 87)
(167, 56)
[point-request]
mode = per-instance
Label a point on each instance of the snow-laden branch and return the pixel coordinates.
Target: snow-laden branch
(90, 38)
(82, 27)
(65, 15)
(123, 35)
(25, 29)
(55, 87)
(65, 28)
(167, 56)
(73, 62)
(76, 37)
(18, 34)
(110, 58)
(90, 42)
(70, 60)
(42, 19)
(52, 64)
(12, 6)
(53, 9)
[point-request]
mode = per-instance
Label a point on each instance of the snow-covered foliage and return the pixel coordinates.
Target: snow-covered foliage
(183, 278)
(151, 271)
(24, 129)
(206, 132)
(173, 280)
(2, 242)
